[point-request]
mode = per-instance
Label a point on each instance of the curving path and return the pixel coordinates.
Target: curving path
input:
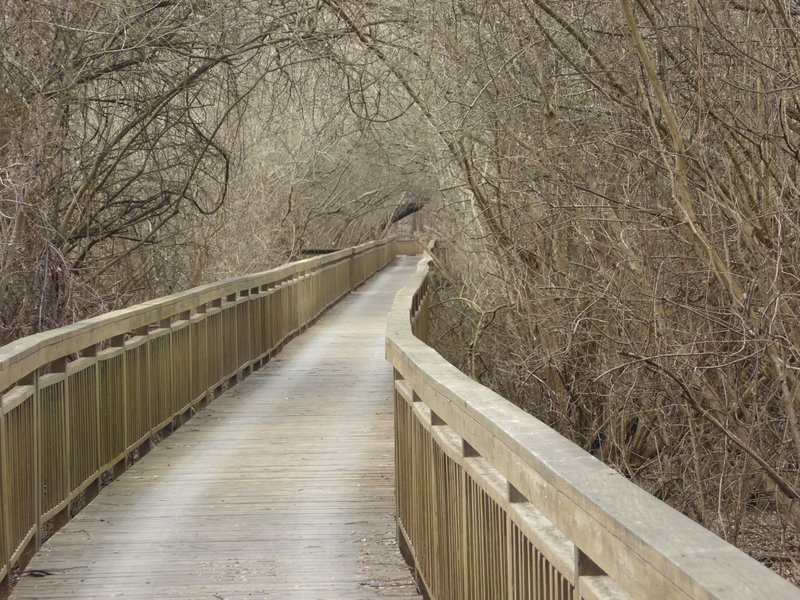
(281, 488)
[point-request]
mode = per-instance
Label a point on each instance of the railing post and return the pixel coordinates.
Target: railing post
(119, 342)
(242, 327)
(199, 369)
(5, 539)
(254, 326)
(216, 363)
(434, 577)
(54, 418)
(33, 379)
(67, 434)
(467, 452)
(584, 567)
(91, 352)
(514, 497)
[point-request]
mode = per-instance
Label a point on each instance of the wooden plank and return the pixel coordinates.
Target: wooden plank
(281, 488)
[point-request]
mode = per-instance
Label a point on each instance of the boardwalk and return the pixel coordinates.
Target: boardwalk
(282, 488)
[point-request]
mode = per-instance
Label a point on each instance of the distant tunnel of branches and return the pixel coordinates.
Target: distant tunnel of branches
(613, 184)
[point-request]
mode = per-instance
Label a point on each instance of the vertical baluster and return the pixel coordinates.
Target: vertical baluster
(5, 539)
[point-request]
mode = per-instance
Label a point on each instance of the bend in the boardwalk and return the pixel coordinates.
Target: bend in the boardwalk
(282, 488)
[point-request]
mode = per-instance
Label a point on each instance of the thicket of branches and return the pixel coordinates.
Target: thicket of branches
(617, 200)
(620, 234)
(148, 145)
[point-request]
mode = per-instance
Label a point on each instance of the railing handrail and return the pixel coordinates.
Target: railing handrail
(646, 547)
(78, 404)
(23, 356)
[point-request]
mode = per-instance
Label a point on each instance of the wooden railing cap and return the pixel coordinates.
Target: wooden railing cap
(676, 557)
(23, 356)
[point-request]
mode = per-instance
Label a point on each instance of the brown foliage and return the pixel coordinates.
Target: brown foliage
(620, 228)
(130, 160)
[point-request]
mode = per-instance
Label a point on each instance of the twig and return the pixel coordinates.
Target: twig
(782, 484)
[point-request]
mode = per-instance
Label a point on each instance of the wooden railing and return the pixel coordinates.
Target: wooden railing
(82, 402)
(492, 504)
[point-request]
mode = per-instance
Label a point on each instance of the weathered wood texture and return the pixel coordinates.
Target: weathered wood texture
(80, 402)
(282, 488)
(494, 504)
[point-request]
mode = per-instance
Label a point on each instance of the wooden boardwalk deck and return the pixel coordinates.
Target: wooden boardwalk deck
(281, 488)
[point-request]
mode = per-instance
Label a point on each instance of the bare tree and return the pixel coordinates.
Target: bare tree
(123, 128)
